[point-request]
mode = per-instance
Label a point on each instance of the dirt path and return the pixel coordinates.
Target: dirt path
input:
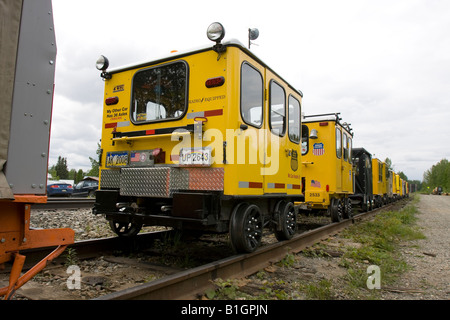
(430, 257)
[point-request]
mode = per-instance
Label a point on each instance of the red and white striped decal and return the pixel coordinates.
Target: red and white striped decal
(205, 114)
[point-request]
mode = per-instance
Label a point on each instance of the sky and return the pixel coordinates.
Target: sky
(384, 65)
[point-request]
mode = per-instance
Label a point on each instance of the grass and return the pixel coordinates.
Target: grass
(320, 291)
(380, 240)
(71, 257)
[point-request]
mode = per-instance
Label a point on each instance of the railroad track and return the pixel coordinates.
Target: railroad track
(192, 283)
(86, 249)
(65, 203)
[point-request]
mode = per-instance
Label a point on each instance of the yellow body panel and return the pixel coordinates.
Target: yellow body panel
(402, 187)
(378, 177)
(396, 185)
(326, 175)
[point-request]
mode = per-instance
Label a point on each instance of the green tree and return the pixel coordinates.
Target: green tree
(52, 172)
(80, 175)
(403, 175)
(438, 175)
(73, 175)
(389, 164)
(94, 172)
(61, 168)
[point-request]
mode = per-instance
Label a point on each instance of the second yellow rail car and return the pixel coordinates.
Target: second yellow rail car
(327, 165)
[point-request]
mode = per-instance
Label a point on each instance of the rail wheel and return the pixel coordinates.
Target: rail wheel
(336, 210)
(246, 227)
(366, 206)
(348, 213)
(287, 221)
(125, 229)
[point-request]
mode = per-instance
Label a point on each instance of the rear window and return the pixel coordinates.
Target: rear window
(160, 93)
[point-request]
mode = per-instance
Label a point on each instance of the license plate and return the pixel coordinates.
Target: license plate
(141, 158)
(116, 159)
(195, 156)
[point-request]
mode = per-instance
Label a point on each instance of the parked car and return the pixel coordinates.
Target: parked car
(59, 189)
(86, 187)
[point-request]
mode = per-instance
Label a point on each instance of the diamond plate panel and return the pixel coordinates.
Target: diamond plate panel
(205, 178)
(163, 181)
(179, 180)
(145, 182)
(110, 179)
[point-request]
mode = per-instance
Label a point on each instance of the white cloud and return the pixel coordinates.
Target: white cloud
(75, 132)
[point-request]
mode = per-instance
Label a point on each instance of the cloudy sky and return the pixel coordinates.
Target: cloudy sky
(384, 65)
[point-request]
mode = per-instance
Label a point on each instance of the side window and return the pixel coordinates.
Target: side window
(305, 139)
(294, 119)
(349, 150)
(345, 144)
(277, 117)
(160, 93)
(252, 95)
(338, 143)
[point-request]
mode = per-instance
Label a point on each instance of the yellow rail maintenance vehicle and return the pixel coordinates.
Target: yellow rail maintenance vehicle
(396, 193)
(401, 187)
(327, 165)
(379, 182)
(205, 140)
(390, 185)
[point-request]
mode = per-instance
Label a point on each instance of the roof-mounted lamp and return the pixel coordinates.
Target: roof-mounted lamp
(216, 32)
(253, 34)
(102, 64)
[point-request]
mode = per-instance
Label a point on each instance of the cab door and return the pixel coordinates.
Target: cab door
(282, 151)
(339, 160)
(275, 159)
(245, 145)
(294, 135)
(346, 174)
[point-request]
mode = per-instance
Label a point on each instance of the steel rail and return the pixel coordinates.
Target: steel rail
(64, 203)
(191, 283)
(94, 247)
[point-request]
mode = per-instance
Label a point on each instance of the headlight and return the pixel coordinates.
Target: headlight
(215, 32)
(102, 63)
